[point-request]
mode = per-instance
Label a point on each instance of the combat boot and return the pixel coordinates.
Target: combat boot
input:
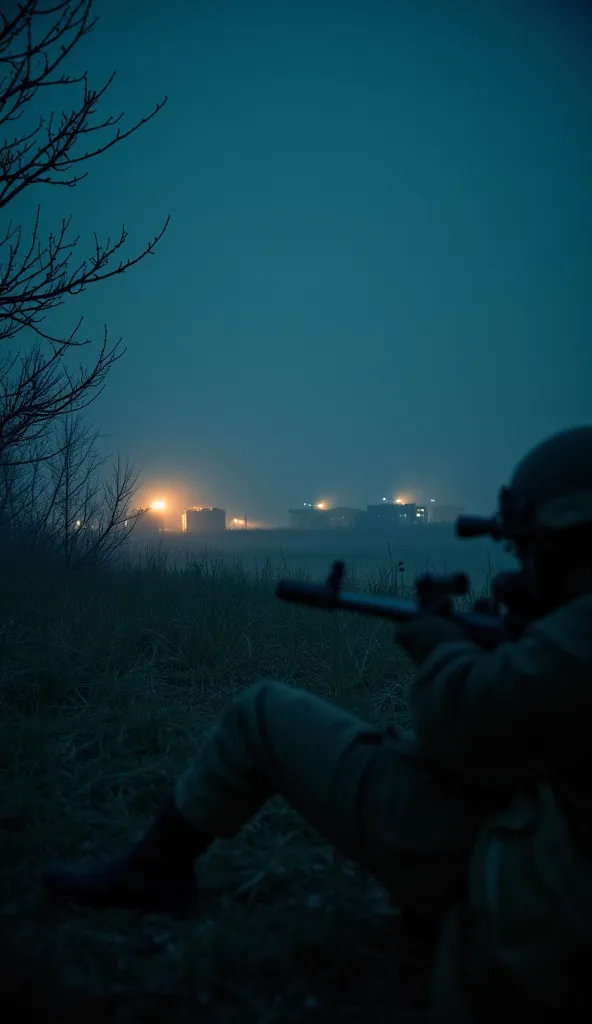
(156, 876)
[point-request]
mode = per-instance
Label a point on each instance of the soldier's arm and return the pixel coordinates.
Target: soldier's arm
(521, 712)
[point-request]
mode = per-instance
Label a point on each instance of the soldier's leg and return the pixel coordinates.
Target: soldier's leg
(367, 790)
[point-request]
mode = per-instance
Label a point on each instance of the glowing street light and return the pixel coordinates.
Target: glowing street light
(158, 506)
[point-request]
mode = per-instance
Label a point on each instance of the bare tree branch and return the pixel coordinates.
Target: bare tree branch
(71, 501)
(36, 279)
(37, 388)
(48, 151)
(37, 43)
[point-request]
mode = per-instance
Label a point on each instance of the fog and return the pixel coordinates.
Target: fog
(376, 277)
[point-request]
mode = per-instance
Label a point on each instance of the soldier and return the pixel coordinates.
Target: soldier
(489, 728)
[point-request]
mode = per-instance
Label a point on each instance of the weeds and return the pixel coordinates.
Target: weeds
(107, 680)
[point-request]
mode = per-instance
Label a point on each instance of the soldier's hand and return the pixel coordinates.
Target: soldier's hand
(432, 627)
(441, 605)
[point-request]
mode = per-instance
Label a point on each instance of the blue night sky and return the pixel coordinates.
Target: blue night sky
(377, 275)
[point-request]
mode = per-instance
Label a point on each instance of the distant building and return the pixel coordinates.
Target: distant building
(388, 515)
(407, 512)
(444, 513)
(203, 520)
(307, 518)
(311, 518)
(146, 524)
(342, 518)
(381, 517)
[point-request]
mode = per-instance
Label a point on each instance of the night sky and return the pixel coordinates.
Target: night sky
(377, 275)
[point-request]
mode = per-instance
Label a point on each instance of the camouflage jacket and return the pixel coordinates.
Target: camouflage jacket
(517, 721)
(515, 716)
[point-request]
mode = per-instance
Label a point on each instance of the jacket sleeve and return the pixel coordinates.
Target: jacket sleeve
(506, 717)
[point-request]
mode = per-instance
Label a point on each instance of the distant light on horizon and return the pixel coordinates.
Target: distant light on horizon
(158, 506)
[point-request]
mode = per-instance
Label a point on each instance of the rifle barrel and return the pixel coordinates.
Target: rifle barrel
(486, 630)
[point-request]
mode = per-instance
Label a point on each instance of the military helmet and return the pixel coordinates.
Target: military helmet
(552, 485)
(550, 490)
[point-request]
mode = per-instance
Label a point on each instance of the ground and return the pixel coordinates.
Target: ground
(107, 680)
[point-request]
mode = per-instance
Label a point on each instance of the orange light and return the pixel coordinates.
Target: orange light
(158, 506)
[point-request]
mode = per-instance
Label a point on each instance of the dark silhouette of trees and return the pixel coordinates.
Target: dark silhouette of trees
(42, 148)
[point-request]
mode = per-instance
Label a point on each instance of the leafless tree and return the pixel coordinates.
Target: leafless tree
(75, 503)
(37, 41)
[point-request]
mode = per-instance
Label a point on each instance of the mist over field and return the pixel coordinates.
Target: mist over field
(433, 549)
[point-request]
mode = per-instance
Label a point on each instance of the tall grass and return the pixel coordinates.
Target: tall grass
(107, 679)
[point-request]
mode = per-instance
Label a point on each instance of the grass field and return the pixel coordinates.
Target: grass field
(432, 548)
(107, 681)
